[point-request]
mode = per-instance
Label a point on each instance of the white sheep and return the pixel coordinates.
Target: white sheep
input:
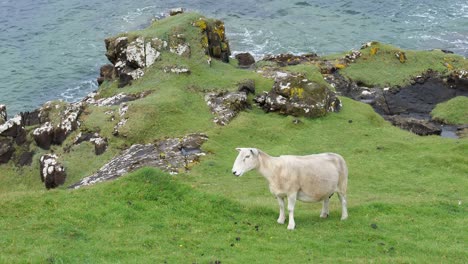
(310, 178)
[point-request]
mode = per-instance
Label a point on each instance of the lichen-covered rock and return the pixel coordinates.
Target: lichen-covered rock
(6, 149)
(15, 129)
(172, 155)
(3, 114)
(245, 60)
(178, 45)
(295, 95)
(131, 57)
(226, 105)
(116, 99)
(51, 171)
(214, 39)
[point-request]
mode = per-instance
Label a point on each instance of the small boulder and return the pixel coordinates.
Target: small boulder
(44, 135)
(107, 73)
(52, 172)
(245, 60)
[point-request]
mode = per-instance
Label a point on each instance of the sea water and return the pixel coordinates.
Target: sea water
(53, 49)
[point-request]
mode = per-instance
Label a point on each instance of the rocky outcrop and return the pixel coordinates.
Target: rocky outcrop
(51, 171)
(247, 86)
(173, 155)
(226, 105)
(55, 133)
(114, 100)
(294, 94)
(130, 57)
(13, 128)
(176, 11)
(245, 60)
(107, 73)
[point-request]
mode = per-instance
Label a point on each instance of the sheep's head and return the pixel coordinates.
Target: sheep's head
(246, 160)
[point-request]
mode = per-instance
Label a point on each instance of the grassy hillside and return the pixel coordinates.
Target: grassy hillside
(406, 195)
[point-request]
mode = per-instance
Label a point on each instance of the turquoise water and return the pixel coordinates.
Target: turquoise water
(52, 49)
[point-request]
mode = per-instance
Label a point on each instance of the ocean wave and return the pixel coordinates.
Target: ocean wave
(77, 92)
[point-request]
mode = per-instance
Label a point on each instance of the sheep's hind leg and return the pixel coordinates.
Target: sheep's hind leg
(281, 217)
(344, 207)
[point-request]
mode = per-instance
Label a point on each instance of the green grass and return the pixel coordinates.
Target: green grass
(384, 69)
(407, 194)
(454, 111)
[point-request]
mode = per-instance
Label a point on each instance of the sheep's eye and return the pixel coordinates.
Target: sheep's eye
(248, 156)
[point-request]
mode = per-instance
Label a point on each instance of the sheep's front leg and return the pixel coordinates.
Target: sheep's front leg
(324, 213)
(281, 217)
(291, 203)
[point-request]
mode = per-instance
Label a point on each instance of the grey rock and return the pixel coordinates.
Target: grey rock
(226, 105)
(6, 149)
(245, 60)
(247, 86)
(176, 11)
(417, 126)
(172, 155)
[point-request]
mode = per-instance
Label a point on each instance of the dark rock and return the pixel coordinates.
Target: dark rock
(115, 49)
(295, 95)
(166, 154)
(43, 135)
(245, 60)
(107, 73)
(215, 41)
(25, 159)
(417, 126)
(6, 149)
(52, 172)
(247, 86)
(374, 226)
(124, 80)
(30, 118)
(226, 105)
(3, 114)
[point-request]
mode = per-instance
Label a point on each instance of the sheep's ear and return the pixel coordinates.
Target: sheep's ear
(238, 149)
(254, 151)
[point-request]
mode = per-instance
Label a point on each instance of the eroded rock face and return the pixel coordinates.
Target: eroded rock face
(13, 128)
(52, 172)
(172, 155)
(226, 105)
(295, 95)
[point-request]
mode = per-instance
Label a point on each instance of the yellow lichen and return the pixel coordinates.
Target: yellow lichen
(201, 23)
(449, 66)
(340, 66)
(296, 92)
(401, 56)
(373, 51)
